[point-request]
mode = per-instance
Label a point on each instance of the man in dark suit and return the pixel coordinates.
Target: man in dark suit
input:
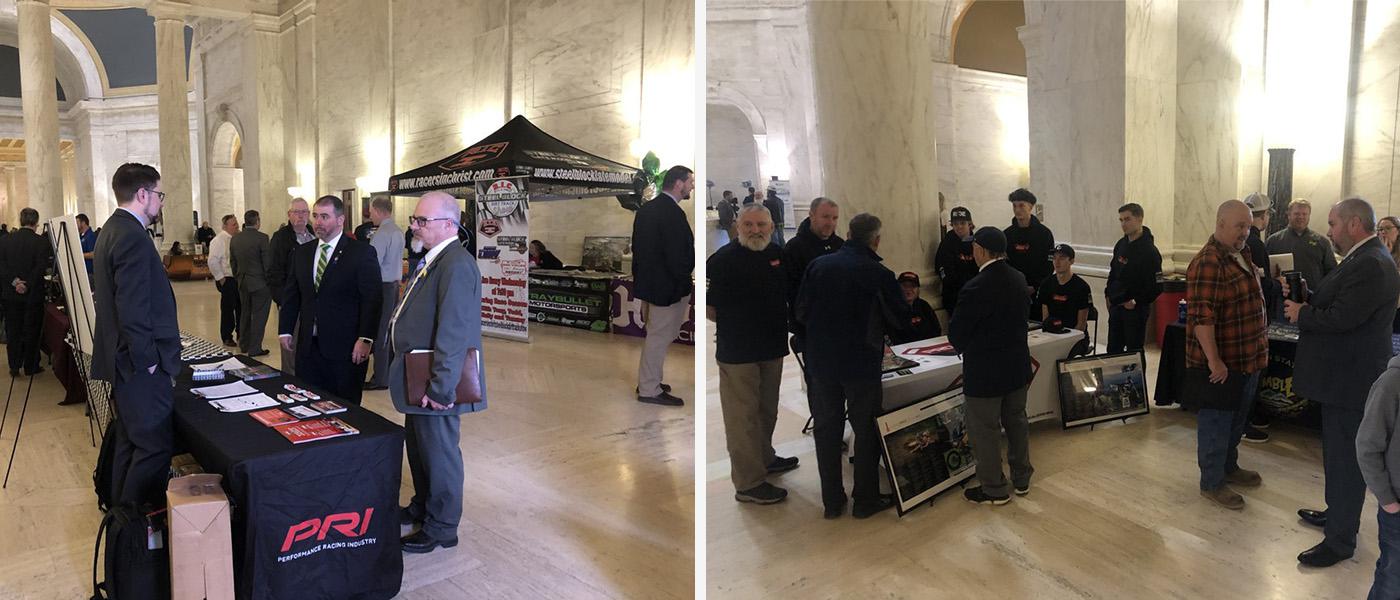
(989, 330)
(848, 302)
(136, 344)
(663, 256)
(24, 256)
(1344, 344)
(250, 255)
(440, 311)
(333, 288)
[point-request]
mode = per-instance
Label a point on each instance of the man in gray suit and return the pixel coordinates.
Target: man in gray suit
(250, 254)
(441, 312)
(387, 240)
(1343, 346)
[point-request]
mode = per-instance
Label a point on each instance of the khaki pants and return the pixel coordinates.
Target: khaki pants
(748, 397)
(663, 325)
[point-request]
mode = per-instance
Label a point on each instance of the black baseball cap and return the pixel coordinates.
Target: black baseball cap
(990, 239)
(961, 214)
(1064, 249)
(909, 277)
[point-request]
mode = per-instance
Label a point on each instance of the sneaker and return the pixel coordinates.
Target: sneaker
(1244, 477)
(763, 493)
(782, 464)
(861, 510)
(664, 388)
(1258, 421)
(1021, 491)
(1254, 435)
(977, 496)
(1225, 497)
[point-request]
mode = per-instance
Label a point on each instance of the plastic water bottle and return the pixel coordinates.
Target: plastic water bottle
(1181, 311)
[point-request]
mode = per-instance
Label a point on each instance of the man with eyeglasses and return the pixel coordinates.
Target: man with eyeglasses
(293, 233)
(331, 300)
(136, 344)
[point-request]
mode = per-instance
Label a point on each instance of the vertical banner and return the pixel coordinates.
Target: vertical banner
(502, 254)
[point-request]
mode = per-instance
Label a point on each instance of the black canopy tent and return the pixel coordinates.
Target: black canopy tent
(556, 170)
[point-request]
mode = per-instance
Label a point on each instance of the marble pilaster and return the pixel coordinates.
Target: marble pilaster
(173, 96)
(264, 181)
(1372, 157)
(39, 100)
(874, 66)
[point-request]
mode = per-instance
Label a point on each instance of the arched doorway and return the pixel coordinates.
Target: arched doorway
(730, 150)
(225, 175)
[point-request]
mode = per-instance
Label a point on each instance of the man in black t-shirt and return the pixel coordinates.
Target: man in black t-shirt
(1065, 297)
(747, 300)
(923, 323)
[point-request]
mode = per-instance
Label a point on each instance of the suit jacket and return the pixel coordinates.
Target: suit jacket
(442, 313)
(349, 298)
(1344, 330)
(25, 255)
(663, 252)
(283, 241)
(989, 330)
(137, 325)
(250, 255)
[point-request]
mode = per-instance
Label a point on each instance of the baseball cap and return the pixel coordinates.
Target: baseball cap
(1064, 249)
(990, 239)
(909, 277)
(961, 214)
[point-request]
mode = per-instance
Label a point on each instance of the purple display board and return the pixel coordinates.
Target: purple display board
(627, 313)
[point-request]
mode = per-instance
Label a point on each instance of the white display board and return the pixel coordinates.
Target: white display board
(71, 271)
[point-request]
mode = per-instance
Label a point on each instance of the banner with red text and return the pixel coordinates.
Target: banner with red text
(503, 255)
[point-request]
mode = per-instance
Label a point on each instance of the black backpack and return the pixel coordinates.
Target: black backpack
(102, 475)
(132, 572)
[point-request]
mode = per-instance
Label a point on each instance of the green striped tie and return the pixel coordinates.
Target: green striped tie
(321, 263)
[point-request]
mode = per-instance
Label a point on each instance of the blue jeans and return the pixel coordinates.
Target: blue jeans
(1387, 583)
(1218, 437)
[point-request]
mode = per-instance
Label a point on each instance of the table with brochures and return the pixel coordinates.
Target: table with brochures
(315, 519)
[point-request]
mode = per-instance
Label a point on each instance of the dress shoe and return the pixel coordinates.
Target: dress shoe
(419, 542)
(370, 387)
(231, 343)
(1316, 518)
(1321, 556)
(71, 402)
(834, 512)
(35, 371)
(782, 464)
(1244, 478)
(664, 399)
(664, 388)
(862, 510)
(407, 516)
(1225, 497)
(259, 353)
(1254, 435)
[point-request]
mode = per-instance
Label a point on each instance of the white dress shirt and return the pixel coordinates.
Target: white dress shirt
(219, 265)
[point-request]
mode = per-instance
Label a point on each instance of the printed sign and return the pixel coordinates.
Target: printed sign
(500, 254)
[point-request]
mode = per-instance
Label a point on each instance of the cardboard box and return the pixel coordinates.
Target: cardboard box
(201, 547)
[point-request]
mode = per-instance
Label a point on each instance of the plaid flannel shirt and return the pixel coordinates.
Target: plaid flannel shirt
(1221, 292)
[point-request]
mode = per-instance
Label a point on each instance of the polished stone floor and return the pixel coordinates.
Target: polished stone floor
(1113, 513)
(573, 489)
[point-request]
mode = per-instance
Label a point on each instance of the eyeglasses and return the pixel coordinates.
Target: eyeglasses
(160, 195)
(1385, 228)
(422, 221)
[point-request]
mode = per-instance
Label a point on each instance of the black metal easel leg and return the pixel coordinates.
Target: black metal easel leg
(15, 447)
(6, 414)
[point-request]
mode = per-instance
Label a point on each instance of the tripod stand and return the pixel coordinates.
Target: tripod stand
(23, 408)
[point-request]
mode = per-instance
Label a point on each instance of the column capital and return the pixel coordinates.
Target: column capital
(304, 11)
(42, 2)
(164, 10)
(266, 23)
(1030, 38)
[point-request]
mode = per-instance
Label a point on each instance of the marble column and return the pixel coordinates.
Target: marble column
(39, 102)
(264, 181)
(9, 212)
(172, 89)
(873, 72)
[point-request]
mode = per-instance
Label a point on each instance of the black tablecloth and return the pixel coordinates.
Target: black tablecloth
(345, 490)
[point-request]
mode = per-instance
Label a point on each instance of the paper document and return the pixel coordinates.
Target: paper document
(237, 388)
(243, 403)
(225, 364)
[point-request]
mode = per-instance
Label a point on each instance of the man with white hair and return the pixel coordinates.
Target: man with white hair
(1344, 344)
(293, 233)
(440, 312)
(747, 300)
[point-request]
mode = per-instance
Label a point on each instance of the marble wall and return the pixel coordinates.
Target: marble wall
(983, 141)
(1372, 157)
(730, 153)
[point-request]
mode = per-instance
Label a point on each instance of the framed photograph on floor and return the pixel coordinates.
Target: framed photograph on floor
(1103, 387)
(926, 448)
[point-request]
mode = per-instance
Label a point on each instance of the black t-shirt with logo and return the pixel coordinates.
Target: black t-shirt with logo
(748, 291)
(1065, 300)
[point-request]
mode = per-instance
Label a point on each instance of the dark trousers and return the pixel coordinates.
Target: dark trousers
(252, 318)
(145, 436)
(228, 308)
(339, 376)
(1218, 438)
(390, 291)
(1345, 488)
(1127, 329)
(435, 462)
(831, 403)
(986, 417)
(22, 322)
(1386, 585)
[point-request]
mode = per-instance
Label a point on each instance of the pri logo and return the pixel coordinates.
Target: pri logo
(348, 525)
(473, 155)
